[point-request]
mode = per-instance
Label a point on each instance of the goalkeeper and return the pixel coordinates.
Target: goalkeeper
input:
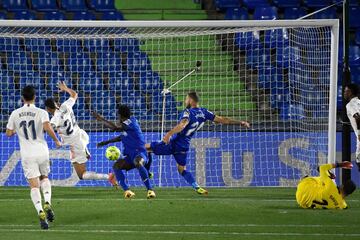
(321, 192)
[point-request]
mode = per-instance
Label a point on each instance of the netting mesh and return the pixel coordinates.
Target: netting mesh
(276, 78)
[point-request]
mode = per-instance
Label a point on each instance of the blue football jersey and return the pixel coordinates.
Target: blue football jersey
(132, 137)
(197, 117)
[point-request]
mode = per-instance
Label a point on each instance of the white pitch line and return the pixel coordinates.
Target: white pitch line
(184, 232)
(185, 225)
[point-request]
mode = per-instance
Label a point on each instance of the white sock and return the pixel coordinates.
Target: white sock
(46, 189)
(95, 176)
(36, 199)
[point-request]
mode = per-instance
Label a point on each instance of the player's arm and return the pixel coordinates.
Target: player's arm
(10, 127)
(107, 123)
(113, 140)
(48, 128)
(178, 128)
(229, 121)
(324, 169)
(62, 86)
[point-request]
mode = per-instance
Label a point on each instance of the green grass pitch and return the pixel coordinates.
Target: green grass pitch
(242, 213)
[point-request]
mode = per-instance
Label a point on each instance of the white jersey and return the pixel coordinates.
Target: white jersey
(352, 108)
(27, 122)
(65, 123)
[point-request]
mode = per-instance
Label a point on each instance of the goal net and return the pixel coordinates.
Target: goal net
(278, 75)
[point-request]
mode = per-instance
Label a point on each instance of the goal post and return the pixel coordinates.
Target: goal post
(279, 75)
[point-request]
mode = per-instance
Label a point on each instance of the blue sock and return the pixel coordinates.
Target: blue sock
(144, 174)
(190, 179)
(121, 179)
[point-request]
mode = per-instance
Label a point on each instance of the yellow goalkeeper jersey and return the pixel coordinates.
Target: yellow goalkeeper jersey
(320, 192)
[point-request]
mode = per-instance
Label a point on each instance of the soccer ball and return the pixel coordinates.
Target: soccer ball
(112, 153)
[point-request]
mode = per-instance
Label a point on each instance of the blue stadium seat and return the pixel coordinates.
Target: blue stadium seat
(18, 61)
(9, 44)
(287, 3)
(245, 39)
(102, 5)
(317, 3)
(2, 15)
(68, 45)
(170, 106)
(286, 54)
(126, 44)
(150, 82)
(276, 38)
(329, 13)
(280, 97)
(73, 5)
(54, 15)
(122, 81)
(38, 44)
(354, 13)
(294, 13)
(357, 37)
(269, 78)
(354, 56)
(313, 97)
(112, 16)
(48, 62)
(223, 4)
(96, 45)
(80, 62)
(258, 58)
(108, 62)
(252, 4)
(292, 112)
(83, 15)
(236, 14)
(44, 5)
(14, 5)
(90, 84)
(24, 15)
(265, 13)
(138, 62)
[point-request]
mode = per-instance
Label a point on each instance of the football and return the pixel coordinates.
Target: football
(112, 153)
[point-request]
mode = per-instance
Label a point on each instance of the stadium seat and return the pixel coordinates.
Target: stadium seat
(68, 45)
(2, 15)
(107, 62)
(265, 13)
(252, 4)
(44, 5)
(121, 81)
(83, 15)
(126, 44)
(96, 45)
(354, 14)
(287, 3)
(276, 38)
(236, 14)
(102, 5)
(54, 15)
(73, 5)
(9, 44)
(18, 61)
(24, 15)
(269, 78)
(355, 75)
(150, 82)
(285, 55)
(224, 4)
(294, 13)
(38, 44)
(280, 97)
(317, 3)
(245, 39)
(48, 62)
(292, 112)
(354, 56)
(329, 13)
(14, 5)
(138, 62)
(112, 16)
(258, 58)
(80, 62)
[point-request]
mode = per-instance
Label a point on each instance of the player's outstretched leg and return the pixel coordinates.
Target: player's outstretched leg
(82, 173)
(120, 177)
(46, 191)
(144, 174)
(147, 165)
(36, 199)
(190, 179)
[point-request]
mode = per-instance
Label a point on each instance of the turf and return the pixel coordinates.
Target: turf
(246, 213)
